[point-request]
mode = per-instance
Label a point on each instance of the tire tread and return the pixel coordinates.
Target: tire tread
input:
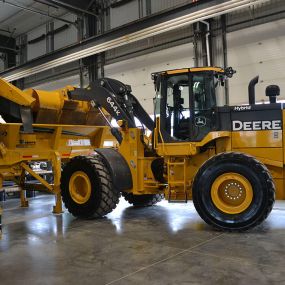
(109, 197)
(145, 200)
(257, 166)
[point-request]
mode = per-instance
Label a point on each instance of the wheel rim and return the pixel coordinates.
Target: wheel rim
(80, 187)
(231, 193)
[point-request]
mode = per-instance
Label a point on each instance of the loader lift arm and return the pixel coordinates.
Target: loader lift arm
(15, 105)
(116, 98)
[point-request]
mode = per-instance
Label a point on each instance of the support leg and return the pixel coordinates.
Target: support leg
(24, 201)
(1, 211)
(57, 209)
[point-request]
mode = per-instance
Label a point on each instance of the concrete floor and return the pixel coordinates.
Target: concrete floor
(165, 244)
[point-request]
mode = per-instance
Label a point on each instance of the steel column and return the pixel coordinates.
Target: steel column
(225, 54)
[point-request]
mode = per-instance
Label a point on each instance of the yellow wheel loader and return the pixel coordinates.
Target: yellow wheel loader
(229, 160)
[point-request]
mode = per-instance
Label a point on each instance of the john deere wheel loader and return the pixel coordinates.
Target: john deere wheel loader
(229, 160)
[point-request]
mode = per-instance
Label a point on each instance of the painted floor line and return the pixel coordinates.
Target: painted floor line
(163, 260)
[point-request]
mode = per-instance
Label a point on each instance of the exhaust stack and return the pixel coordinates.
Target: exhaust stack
(251, 90)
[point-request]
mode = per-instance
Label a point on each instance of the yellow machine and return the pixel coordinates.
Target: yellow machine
(229, 160)
(45, 126)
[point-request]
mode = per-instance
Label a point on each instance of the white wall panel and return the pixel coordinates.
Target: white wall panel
(137, 71)
(66, 37)
(39, 48)
(124, 14)
(257, 51)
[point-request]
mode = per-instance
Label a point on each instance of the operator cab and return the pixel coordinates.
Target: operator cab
(186, 101)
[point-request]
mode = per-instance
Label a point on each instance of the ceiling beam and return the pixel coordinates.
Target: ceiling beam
(46, 3)
(72, 7)
(35, 11)
(133, 32)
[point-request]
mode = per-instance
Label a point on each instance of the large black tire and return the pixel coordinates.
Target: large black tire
(103, 198)
(262, 189)
(145, 200)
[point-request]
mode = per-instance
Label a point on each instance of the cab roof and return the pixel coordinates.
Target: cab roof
(192, 69)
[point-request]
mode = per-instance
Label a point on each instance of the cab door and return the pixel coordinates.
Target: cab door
(187, 104)
(203, 104)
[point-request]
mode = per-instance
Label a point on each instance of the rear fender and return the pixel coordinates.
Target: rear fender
(118, 167)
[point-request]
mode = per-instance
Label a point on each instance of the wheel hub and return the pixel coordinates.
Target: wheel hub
(80, 187)
(231, 193)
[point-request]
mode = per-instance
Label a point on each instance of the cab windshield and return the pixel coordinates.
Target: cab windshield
(189, 109)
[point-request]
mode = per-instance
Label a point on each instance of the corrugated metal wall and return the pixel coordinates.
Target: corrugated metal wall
(257, 51)
(39, 48)
(130, 11)
(61, 39)
(124, 14)
(261, 13)
(51, 77)
(160, 42)
(66, 37)
(160, 5)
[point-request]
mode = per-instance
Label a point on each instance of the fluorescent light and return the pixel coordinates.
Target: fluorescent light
(173, 24)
